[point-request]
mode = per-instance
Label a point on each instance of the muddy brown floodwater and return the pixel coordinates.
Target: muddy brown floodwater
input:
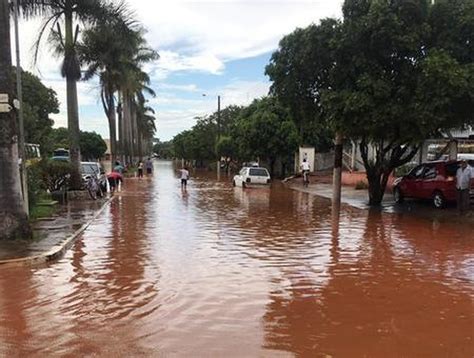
(223, 272)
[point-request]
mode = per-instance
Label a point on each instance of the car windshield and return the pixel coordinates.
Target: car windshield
(89, 169)
(258, 172)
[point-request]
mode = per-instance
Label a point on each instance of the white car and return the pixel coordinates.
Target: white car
(252, 177)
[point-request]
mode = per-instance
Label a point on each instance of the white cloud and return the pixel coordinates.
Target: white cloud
(191, 36)
(181, 116)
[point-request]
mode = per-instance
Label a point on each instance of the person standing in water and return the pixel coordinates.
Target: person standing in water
(149, 166)
(184, 178)
(140, 169)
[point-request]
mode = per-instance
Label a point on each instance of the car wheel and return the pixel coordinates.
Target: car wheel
(243, 184)
(233, 183)
(397, 195)
(439, 201)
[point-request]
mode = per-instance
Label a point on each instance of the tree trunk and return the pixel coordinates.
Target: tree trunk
(120, 144)
(126, 127)
(111, 116)
(72, 111)
(13, 218)
(379, 170)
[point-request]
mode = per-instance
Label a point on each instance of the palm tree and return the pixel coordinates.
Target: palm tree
(13, 218)
(59, 17)
(115, 54)
(134, 83)
(146, 127)
(105, 49)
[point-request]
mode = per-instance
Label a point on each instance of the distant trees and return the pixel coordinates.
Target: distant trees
(263, 130)
(388, 76)
(93, 146)
(39, 102)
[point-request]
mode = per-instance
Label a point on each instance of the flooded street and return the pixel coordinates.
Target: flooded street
(225, 272)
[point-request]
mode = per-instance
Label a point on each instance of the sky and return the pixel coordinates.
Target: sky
(211, 47)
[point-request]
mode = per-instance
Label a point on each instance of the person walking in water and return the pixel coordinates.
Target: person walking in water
(184, 178)
(149, 167)
(140, 169)
(463, 185)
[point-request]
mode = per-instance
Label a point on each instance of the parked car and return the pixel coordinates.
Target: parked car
(61, 154)
(95, 169)
(435, 181)
(252, 177)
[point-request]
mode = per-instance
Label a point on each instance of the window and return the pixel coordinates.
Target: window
(258, 172)
(430, 172)
(89, 169)
(417, 172)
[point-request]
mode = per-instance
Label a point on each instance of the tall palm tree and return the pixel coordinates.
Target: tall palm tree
(106, 49)
(134, 83)
(13, 218)
(59, 19)
(116, 54)
(146, 127)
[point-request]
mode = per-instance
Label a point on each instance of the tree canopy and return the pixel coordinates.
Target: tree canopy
(390, 75)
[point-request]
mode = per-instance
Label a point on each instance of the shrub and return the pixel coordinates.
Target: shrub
(35, 184)
(54, 174)
(361, 185)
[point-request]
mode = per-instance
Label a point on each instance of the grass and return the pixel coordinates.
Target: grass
(40, 211)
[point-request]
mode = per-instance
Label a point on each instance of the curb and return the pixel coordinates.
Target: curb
(57, 251)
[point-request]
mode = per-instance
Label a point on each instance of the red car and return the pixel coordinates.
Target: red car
(435, 181)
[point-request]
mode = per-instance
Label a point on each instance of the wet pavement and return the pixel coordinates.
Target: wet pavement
(221, 271)
(50, 232)
(410, 207)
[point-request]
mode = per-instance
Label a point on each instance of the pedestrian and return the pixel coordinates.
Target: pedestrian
(463, 186)
(149, 166)
(140, 169)
(184, 178)
(118, 167)
(114, 179)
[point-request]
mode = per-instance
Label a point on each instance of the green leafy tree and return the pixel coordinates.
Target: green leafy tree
(93, 146)
(300, 70)
(392, 74)
(394, 85)
(164, 149)
(266, 130)
(39, 102)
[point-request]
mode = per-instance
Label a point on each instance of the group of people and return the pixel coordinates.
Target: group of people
(148, 166)
(115, 177)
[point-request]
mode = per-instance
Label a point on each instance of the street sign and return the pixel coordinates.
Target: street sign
(5, 108)
(3, 97)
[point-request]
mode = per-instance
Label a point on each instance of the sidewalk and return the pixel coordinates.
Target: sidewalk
(52, 235)
(360, 198)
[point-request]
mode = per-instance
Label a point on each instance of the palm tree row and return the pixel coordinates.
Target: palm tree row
(102, 37)
(116, 54)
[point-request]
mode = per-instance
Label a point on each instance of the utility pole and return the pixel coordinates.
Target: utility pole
(21, 126)
(337, 174)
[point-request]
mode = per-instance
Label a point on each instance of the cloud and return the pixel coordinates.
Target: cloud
(192, 37)
(177, 114)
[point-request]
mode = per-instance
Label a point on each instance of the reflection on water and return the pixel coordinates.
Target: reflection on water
(222, 271)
